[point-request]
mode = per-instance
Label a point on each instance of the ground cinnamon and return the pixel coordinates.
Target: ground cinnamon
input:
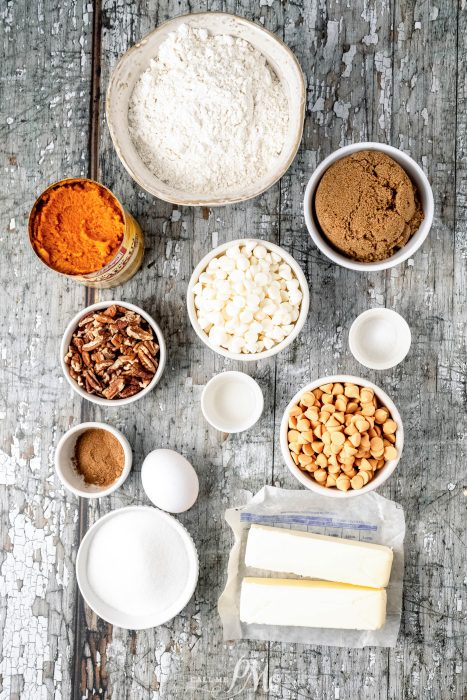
(78, 227)
(99, 457)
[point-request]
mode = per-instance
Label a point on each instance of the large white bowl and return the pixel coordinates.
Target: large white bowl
(381, 475)
(417, 176)
(136, 60)
(297, 270)
(65, 344)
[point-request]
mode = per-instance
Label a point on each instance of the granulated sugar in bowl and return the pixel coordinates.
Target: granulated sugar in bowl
(137, 567)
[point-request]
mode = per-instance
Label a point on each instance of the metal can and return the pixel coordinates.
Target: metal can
(128, 257)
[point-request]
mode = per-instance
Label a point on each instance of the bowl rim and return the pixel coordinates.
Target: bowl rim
(104, 491)
(381, 476)
(190, 199)
(81, 568)
(397, 320)
(412, 245)
(304, 306)
(259, 401)
(66, 342)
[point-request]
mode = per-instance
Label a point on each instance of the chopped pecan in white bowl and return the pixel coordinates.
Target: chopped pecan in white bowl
(113, 353)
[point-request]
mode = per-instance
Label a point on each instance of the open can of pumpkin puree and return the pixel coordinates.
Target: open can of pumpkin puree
(79, 228)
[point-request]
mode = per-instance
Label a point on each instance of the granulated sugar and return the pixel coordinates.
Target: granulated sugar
(138, 563)
(209, 113)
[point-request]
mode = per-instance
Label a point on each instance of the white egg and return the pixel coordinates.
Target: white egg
(169, 480)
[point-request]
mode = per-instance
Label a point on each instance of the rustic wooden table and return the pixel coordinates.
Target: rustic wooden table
(385, 70)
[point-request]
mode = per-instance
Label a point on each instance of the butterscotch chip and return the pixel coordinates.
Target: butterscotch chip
(357, 481)
(331, 480)
(381, 415)
(362, 425)
(337, 389)
(352, 391)
(308, 399)
(367, 206)
(390, 452)
(337, 439)
(355, 439)
(366, 476)
(293, 435)
(304, 459)
(343, 482)
(303, 424)
(334, 469)
(376, 444)
(307, 450)
(320, 476)
(326, 388)
(366, 395)
(389, 427)
(322, 460)
(340, 404)
(294, 447)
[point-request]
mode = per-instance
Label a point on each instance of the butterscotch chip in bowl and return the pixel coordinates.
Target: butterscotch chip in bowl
(341, 452)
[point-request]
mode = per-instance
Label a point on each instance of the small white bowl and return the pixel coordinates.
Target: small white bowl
(417, 176)
(232, 402)
(381, 475)
(137, 59)
(379, 338)
(244, 357)
(66, 470)
(66, 343)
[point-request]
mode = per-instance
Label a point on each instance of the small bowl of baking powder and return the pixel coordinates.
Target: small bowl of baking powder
(191, 130)
(93, 459)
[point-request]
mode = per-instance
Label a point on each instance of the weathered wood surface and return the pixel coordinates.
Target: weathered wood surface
(384, 70)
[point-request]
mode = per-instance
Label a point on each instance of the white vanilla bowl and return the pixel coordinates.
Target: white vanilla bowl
(66, 343)
(137, 59)
(417, 176)
(66, 470)
(381, 475)
(379, 338)
(248, 357)
(232, 402)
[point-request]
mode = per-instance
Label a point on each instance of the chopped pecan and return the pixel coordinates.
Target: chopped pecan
(113, 353)
(139, 333)
(130, 390)
(114, 388)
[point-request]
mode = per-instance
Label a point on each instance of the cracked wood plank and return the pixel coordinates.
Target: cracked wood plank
(44, 129)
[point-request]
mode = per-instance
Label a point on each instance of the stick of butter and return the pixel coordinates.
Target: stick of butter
(318, 556)
(301, 603)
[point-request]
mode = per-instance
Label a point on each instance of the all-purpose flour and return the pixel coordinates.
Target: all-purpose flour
(208, 114)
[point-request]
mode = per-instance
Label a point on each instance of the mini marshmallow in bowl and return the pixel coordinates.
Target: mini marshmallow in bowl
(248, 299)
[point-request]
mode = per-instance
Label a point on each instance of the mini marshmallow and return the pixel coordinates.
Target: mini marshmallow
(247, 299)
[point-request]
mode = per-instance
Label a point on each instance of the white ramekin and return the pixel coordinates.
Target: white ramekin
(66, 343)
(67, 472)
(297, 270)
(137, 59)
(393, 336)
(417, 176)
(215, 418)
(381, 475)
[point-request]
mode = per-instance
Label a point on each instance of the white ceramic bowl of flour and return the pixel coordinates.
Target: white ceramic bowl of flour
(137, 567)
(137, 60)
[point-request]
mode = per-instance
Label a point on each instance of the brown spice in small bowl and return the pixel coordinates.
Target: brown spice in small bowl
(99, 457)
